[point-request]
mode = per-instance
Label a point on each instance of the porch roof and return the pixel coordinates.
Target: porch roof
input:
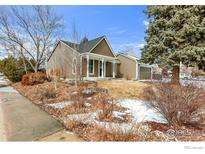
(100, 57)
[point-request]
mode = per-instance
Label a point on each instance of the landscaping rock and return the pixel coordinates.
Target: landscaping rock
(198, 119)
(88, 91)
(87, 104)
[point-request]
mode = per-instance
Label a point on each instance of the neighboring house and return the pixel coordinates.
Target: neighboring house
(131, 68)
(97, 59)
(128, 66)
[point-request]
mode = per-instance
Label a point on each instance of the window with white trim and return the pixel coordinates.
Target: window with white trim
(91, 66)
(74, 64)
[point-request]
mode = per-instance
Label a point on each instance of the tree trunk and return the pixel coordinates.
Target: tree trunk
(25, 67)
(175, 75)
(24, 63)
(36, 68)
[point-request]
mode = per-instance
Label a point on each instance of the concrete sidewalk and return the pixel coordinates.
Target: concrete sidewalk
(21, 120)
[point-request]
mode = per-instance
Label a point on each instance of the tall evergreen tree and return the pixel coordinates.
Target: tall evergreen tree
(175, 34)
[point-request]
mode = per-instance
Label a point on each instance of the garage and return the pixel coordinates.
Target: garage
(145, 72)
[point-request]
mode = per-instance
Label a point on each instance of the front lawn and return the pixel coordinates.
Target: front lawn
(111, 110)
(124, 88)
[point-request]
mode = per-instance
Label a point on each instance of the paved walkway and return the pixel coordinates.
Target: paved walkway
(21, 120)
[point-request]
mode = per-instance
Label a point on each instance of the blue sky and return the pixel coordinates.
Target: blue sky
(124, 26)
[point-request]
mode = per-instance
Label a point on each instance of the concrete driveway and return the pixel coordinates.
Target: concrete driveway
(20, 119)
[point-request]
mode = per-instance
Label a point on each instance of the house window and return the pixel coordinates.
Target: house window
(74, 63)
(91, 66)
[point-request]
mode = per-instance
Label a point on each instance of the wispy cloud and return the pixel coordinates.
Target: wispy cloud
(146, 23)
(140, 45)
(3, 54)
(116, 30)
(134, 45)
(111, 28)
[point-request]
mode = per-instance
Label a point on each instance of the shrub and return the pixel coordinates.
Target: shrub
(176, 103)
(34, 78)
(107, 111)
(50, 94)
(47, 95)
(92, 132)
(119, 74)
(13, 68)
(196, 72)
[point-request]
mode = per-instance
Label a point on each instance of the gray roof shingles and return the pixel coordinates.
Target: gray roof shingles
(84, 47)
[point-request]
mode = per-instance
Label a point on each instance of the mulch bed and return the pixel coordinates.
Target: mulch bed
(181, 133)
(42, 94)
(46, 93)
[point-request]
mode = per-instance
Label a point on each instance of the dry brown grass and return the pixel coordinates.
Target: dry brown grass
(46, 93)
(42, 93)
(178, 104)
(123, 88)
(91, 132)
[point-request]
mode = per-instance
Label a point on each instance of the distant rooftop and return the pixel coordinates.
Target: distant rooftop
(129, 56)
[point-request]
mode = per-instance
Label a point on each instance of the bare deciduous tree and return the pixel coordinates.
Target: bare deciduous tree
(75, 38)
(31, 31)
(71, 64)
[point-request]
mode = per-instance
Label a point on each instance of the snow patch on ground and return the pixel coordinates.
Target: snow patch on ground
(60, 105)
(118, 114)
(87, 104)
(91, 118)
(141, 111)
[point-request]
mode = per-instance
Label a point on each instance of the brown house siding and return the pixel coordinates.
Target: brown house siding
(84, 68)
(127, 67)
(62, 60)
(108, 69)
(103, 49)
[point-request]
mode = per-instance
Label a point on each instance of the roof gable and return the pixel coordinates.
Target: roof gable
(84, 47)
(103, 48)
(87, 47)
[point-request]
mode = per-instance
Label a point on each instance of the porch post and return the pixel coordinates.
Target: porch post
(81, 65)
(87, 66)
(113, 68)
(98, 68)
(102, 67)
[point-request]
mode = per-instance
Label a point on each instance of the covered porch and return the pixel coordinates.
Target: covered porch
(95, 66)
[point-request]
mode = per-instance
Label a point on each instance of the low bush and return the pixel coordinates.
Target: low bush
(34, 78)
(13, 68)
(176, 103)
(107, 109)
(92, 132)
(196, 72)
(50, 94)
